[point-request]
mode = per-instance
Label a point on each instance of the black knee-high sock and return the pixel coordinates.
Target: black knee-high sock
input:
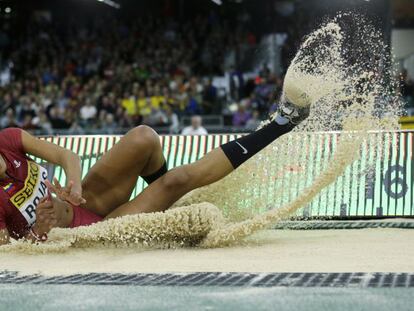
(240, 150)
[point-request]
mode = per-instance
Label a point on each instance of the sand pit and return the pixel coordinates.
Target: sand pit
(365, 250)
(212, 217)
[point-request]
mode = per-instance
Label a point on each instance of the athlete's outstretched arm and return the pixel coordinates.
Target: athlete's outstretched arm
(55, 154)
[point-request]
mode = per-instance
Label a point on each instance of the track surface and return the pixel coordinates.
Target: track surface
(363, 280)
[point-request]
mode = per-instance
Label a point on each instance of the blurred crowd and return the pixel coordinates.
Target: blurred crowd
(109, 74)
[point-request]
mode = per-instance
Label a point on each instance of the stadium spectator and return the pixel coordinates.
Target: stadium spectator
(8, 102)
(157, 117)
(106, 105)
(9, 119)
(57, 119)
(130, 105)
(26, 109)
(241, 117)
(108, 124)
(42, 123)
(254, 122)
(88, 112)
(210, 96)
(173, 121)
(195, 128)
(28, 124)
(124, 120)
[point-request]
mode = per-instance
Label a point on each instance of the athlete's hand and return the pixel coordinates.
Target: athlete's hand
(46, 216)
(70, 193)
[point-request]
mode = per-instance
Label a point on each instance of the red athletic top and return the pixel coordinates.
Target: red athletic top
(22, 189)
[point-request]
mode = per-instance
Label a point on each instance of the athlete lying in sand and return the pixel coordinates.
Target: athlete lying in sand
(28, 210)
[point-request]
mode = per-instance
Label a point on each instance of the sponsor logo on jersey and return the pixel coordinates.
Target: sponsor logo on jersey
(17, 163)
(26, 199)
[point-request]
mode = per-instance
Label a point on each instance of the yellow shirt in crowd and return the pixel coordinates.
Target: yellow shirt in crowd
(156, 101)
(129, 105)
(142, 106)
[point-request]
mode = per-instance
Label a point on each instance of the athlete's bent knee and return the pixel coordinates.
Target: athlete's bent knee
(144, 136)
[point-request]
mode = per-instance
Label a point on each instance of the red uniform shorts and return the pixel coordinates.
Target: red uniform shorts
(83, 217)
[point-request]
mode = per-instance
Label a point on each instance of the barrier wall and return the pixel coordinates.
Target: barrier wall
(178, 150)
(379, 183)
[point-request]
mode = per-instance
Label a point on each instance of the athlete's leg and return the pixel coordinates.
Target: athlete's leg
(109, 183)
(215, 165)
(161, 194)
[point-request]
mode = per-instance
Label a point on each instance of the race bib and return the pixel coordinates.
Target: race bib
(27, 199)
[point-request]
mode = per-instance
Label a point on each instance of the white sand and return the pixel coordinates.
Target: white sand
(365, 250)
